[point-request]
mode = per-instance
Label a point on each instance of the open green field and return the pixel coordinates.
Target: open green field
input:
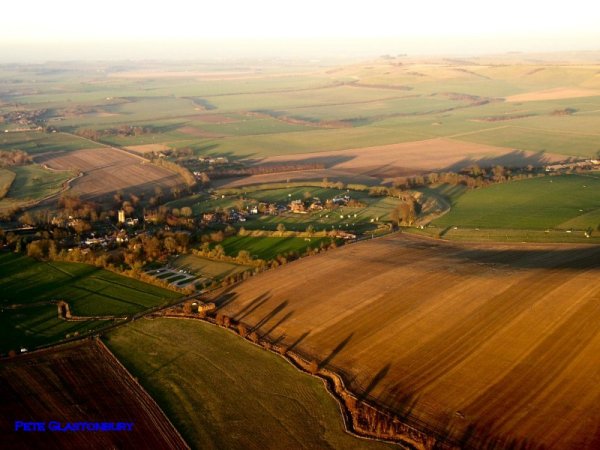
(33, 182)
(31, 286)
(36, 142)
(206, 268)
(563, 202)
(269, 247)
(271, 109)
(223, 393)
(6, 180)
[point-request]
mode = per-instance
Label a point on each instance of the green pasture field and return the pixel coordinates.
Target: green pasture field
(222, 392)
(90, 291)
(205, 267)
(269, 247)
(6, 180)
(378, 111)
(33, 182)
(37, 142)
(250, 126)
(562, 202)
(257, 146)
(538, 140)
(371, 110)
(507, 235)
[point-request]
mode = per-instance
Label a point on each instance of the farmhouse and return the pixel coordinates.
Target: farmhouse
(297, 207)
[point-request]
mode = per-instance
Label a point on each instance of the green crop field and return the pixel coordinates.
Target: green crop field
(33, 183)
(6, 180)
(36, 142)
(563, 202)
(31, 285)
(222, 393)
(269, 247)
(207, 268)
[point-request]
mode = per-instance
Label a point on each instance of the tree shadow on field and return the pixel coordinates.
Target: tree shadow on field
(401, 402)
(270, 315)
(252, 306)
(335, 351)
(379, 376)
(516, 158)
(527, 258)
(224, 299)
(278, 323)
(299, 340)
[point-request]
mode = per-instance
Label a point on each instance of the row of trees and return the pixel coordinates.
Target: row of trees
(10, 158)
(188, 177)
(122, 130)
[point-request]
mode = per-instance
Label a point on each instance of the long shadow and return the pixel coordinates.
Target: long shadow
(252, 306)
(327, 161)
(509, 255)
(379, 376)
(516, 158)
(225, 299)
(270, 315)
(279, 322)
(335, 351)
(299, 340)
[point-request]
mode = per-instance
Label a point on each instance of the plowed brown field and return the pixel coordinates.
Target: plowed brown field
(408, 158)
(80, 382)
(107, 170)
(483, 343)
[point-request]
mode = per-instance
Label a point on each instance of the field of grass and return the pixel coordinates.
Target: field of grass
(33, 182)
(564, 202)
(90, 291)
(37, 142)
(223, 393)
(482, 343)
(380, 103)
(6, 180)
(269, 247)
(207, 268)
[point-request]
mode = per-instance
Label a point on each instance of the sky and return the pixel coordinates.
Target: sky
(63, 28)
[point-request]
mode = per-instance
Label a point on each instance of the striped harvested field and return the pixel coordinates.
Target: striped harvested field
(79, 382)
(107, 170)
(487, 344)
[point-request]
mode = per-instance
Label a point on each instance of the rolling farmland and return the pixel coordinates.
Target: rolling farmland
(30, 289)
(416, 157)
(107, 170)
(33, 183)
(482, 343)
(80, 382)
(219, 391)
(488, 345)
(563, 202)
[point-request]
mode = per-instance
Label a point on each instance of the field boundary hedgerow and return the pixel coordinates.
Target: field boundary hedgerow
(360, 418)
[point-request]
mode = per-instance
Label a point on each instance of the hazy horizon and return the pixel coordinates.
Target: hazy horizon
(113, 30)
